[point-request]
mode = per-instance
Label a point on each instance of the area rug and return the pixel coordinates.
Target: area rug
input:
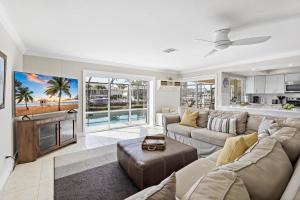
(92, 174)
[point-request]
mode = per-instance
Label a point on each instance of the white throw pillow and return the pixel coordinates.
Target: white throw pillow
(264, 125)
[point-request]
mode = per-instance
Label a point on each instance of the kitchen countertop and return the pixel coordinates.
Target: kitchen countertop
(274, 110)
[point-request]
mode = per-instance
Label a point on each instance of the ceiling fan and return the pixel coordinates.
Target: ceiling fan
(222, 41)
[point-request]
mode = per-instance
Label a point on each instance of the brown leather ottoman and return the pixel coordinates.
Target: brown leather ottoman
(147, 168)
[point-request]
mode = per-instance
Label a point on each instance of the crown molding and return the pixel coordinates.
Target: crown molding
(8, 26)
(100, 62)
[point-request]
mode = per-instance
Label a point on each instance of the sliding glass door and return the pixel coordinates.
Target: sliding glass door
(119, 103)
(198, 94)
(97, 103)
(139, 101)
(115, 102)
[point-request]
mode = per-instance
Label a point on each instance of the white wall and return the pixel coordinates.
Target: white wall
(72, 69)
(167, 98)
(14, 61)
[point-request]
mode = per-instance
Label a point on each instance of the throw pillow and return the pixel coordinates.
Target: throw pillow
(289, 138)
(241, 118)
(273, 128)
(250, 139)
(264, 125)
(166, 190)
(292, 122)
(222, 125)
(189, 119)
(234, 147)
(221, 185)
(202, 119)
(265, 169)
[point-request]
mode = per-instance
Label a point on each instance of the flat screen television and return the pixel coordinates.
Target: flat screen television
(37, 93)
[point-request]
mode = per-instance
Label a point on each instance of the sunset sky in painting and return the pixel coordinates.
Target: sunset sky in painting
(38, 84)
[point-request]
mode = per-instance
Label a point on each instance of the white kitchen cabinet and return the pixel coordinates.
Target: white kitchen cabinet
(275, 84)
(255, 85)
(292, 77)
(250, 85)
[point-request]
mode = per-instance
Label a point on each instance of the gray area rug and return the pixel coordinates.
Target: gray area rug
(92, 174)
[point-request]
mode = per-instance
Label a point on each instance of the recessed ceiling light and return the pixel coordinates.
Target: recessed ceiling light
(170, 50)
(291, 65)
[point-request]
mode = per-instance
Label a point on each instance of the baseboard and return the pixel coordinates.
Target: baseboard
(5, 174)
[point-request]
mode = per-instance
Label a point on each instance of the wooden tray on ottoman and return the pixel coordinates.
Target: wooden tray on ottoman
(154, 143)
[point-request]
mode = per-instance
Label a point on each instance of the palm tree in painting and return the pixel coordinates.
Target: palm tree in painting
(24, 94)
(58, 86)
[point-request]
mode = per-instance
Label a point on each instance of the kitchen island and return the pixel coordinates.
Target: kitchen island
(263, 109)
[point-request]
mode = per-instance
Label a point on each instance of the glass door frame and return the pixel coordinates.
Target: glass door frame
(151, 90)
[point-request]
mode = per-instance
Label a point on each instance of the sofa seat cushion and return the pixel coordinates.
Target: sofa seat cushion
(265, 169)
(180, 129)
(188, 176)
(211, 137)
(221, 185)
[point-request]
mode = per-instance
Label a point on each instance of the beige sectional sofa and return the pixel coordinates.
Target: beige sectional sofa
(268, 170)
(206, 141)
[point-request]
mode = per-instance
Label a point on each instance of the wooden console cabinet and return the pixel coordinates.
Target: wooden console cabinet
(43, 134)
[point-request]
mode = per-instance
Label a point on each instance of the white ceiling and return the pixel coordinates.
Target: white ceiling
(135, 32)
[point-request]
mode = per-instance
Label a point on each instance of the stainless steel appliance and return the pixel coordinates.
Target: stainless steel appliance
(292, 87)
(293, 100)
(256, 99)
(274, 101)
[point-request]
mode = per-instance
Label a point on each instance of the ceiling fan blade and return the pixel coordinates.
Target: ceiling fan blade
(203, 40)
(253, 40)
(211, 52)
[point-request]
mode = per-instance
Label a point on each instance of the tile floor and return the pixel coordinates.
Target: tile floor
(34, 181)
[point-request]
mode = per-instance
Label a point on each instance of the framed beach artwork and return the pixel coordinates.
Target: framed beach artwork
(38, 93)
(2, 79)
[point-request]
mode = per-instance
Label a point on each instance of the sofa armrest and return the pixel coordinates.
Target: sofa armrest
(170, 119)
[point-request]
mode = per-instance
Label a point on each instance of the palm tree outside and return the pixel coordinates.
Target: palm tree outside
(23, 93)
(58, 86)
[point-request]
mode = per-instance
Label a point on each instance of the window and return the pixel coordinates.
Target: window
(198, 94)
(115, 102)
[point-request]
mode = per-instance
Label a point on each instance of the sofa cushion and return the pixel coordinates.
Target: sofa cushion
(241, 118)
(202, 118)
(250, 139)
(292, 122)
(180, 129)
(189, 119)
(292, 191)
(222, 125)
(290, 140)
(265, 125)
(166, 190)
(187, 176)
(234, 147)
(265, 169)
(212, 137)
(253, 122)
(221, 185)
